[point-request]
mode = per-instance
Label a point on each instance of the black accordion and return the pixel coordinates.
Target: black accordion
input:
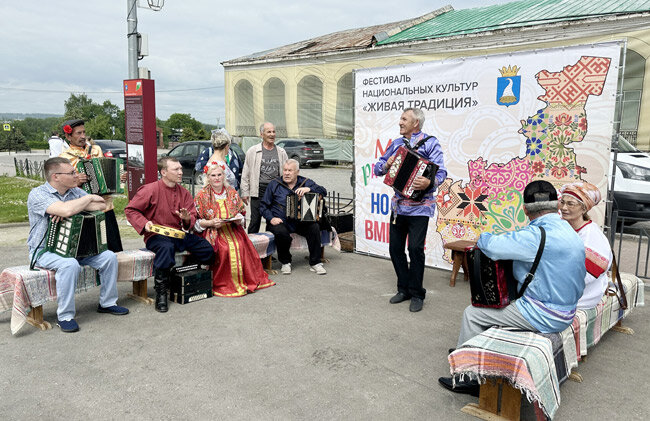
(81, 235)
(103, 175)
(190, 283)
(491, 282)
(405, 168)
(308, 208)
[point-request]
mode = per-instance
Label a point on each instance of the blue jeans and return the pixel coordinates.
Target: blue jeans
(67, 272)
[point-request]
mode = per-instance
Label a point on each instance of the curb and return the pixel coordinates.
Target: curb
(14, 224)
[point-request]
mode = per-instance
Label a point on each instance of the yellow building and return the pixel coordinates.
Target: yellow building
(306, 88)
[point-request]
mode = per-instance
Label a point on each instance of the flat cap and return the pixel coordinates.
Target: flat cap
(71, 124)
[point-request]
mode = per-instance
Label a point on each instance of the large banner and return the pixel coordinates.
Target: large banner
(502, 121)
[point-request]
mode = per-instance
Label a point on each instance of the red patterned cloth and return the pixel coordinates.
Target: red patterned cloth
(237, 269)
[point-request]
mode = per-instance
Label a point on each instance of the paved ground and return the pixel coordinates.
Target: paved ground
(311, 347)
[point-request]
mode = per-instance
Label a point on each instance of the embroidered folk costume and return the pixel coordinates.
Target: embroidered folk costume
(237, 269)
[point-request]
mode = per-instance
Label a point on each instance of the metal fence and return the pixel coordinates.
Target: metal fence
(31, 169)
(630, 239)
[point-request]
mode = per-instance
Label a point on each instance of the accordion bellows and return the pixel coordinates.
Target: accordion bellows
(103, 175)
(406, 167)
(81, 235)
(491, 282)
(308, 208)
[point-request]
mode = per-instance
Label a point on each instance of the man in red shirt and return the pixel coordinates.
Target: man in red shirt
(166, 202)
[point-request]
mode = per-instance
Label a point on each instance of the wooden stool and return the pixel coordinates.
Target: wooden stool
(459, 258)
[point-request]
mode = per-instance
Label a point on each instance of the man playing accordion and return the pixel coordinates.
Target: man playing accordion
(549, 303)
(410, 218)
(82, 147)
(273, 209)
(60, 198)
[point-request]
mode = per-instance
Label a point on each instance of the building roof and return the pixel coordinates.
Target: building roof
(447, 22)
(514, 14)
(339, 41)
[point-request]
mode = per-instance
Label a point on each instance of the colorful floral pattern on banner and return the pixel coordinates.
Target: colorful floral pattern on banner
(494, 192)
(502, 120)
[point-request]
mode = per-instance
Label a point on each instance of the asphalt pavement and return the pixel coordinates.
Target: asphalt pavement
(311, 347)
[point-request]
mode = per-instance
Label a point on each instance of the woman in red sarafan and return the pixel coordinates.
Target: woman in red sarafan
(237, 269)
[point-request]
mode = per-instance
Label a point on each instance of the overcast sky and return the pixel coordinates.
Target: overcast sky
(53, 48)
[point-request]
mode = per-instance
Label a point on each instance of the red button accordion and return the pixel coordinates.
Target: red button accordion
(491, 281)
(406, 167)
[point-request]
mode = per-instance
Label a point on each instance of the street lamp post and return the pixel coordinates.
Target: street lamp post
(132, 37)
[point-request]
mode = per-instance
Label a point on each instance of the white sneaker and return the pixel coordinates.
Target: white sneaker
(318, 268)
(286, 269)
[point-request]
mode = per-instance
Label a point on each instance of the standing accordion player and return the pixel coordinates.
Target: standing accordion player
(308, 208)
(103, 175)
(406, 167)
(81, 235)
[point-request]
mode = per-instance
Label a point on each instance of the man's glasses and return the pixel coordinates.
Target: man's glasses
(71, 173)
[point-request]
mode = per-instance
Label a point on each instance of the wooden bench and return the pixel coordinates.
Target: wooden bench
(327, 238)
(24, 291)
(509, 373)
(458, 258)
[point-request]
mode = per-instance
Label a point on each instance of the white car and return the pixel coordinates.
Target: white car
(632, 181)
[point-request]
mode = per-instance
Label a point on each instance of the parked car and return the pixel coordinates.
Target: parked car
(187, 154)
(240, 153)
(632, 182)
(307, 152)
(112, 148)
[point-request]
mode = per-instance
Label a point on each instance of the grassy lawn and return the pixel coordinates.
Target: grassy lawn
(13, 199)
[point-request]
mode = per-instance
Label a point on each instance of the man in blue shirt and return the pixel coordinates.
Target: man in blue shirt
(549, 303)
(60, 198)
(410, 218)
(273, 208)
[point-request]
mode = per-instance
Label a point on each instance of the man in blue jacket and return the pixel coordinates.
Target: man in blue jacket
(273, 209)
(549, 303)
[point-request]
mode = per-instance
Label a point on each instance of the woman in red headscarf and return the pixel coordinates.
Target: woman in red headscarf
(578, 199)
(237, 269)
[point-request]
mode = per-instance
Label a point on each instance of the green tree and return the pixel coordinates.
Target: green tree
(100, 119)
(13, 140)
(181, 121)
(202, 134)
(188, 134)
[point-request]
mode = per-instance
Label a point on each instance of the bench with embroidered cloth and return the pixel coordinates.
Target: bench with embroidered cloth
(510, 364)
(327, 238)
(24, 291)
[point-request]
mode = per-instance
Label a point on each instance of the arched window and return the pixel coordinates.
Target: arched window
(310, 107)
(274, 105)
(344, 112)
(244, 114)
(631, 100)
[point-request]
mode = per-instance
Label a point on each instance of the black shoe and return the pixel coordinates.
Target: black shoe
(398, 298)
(416, 304)
(451, 350)
(161, 302)
(468, 387)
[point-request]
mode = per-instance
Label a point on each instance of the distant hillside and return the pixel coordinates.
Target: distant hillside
(21, 116)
